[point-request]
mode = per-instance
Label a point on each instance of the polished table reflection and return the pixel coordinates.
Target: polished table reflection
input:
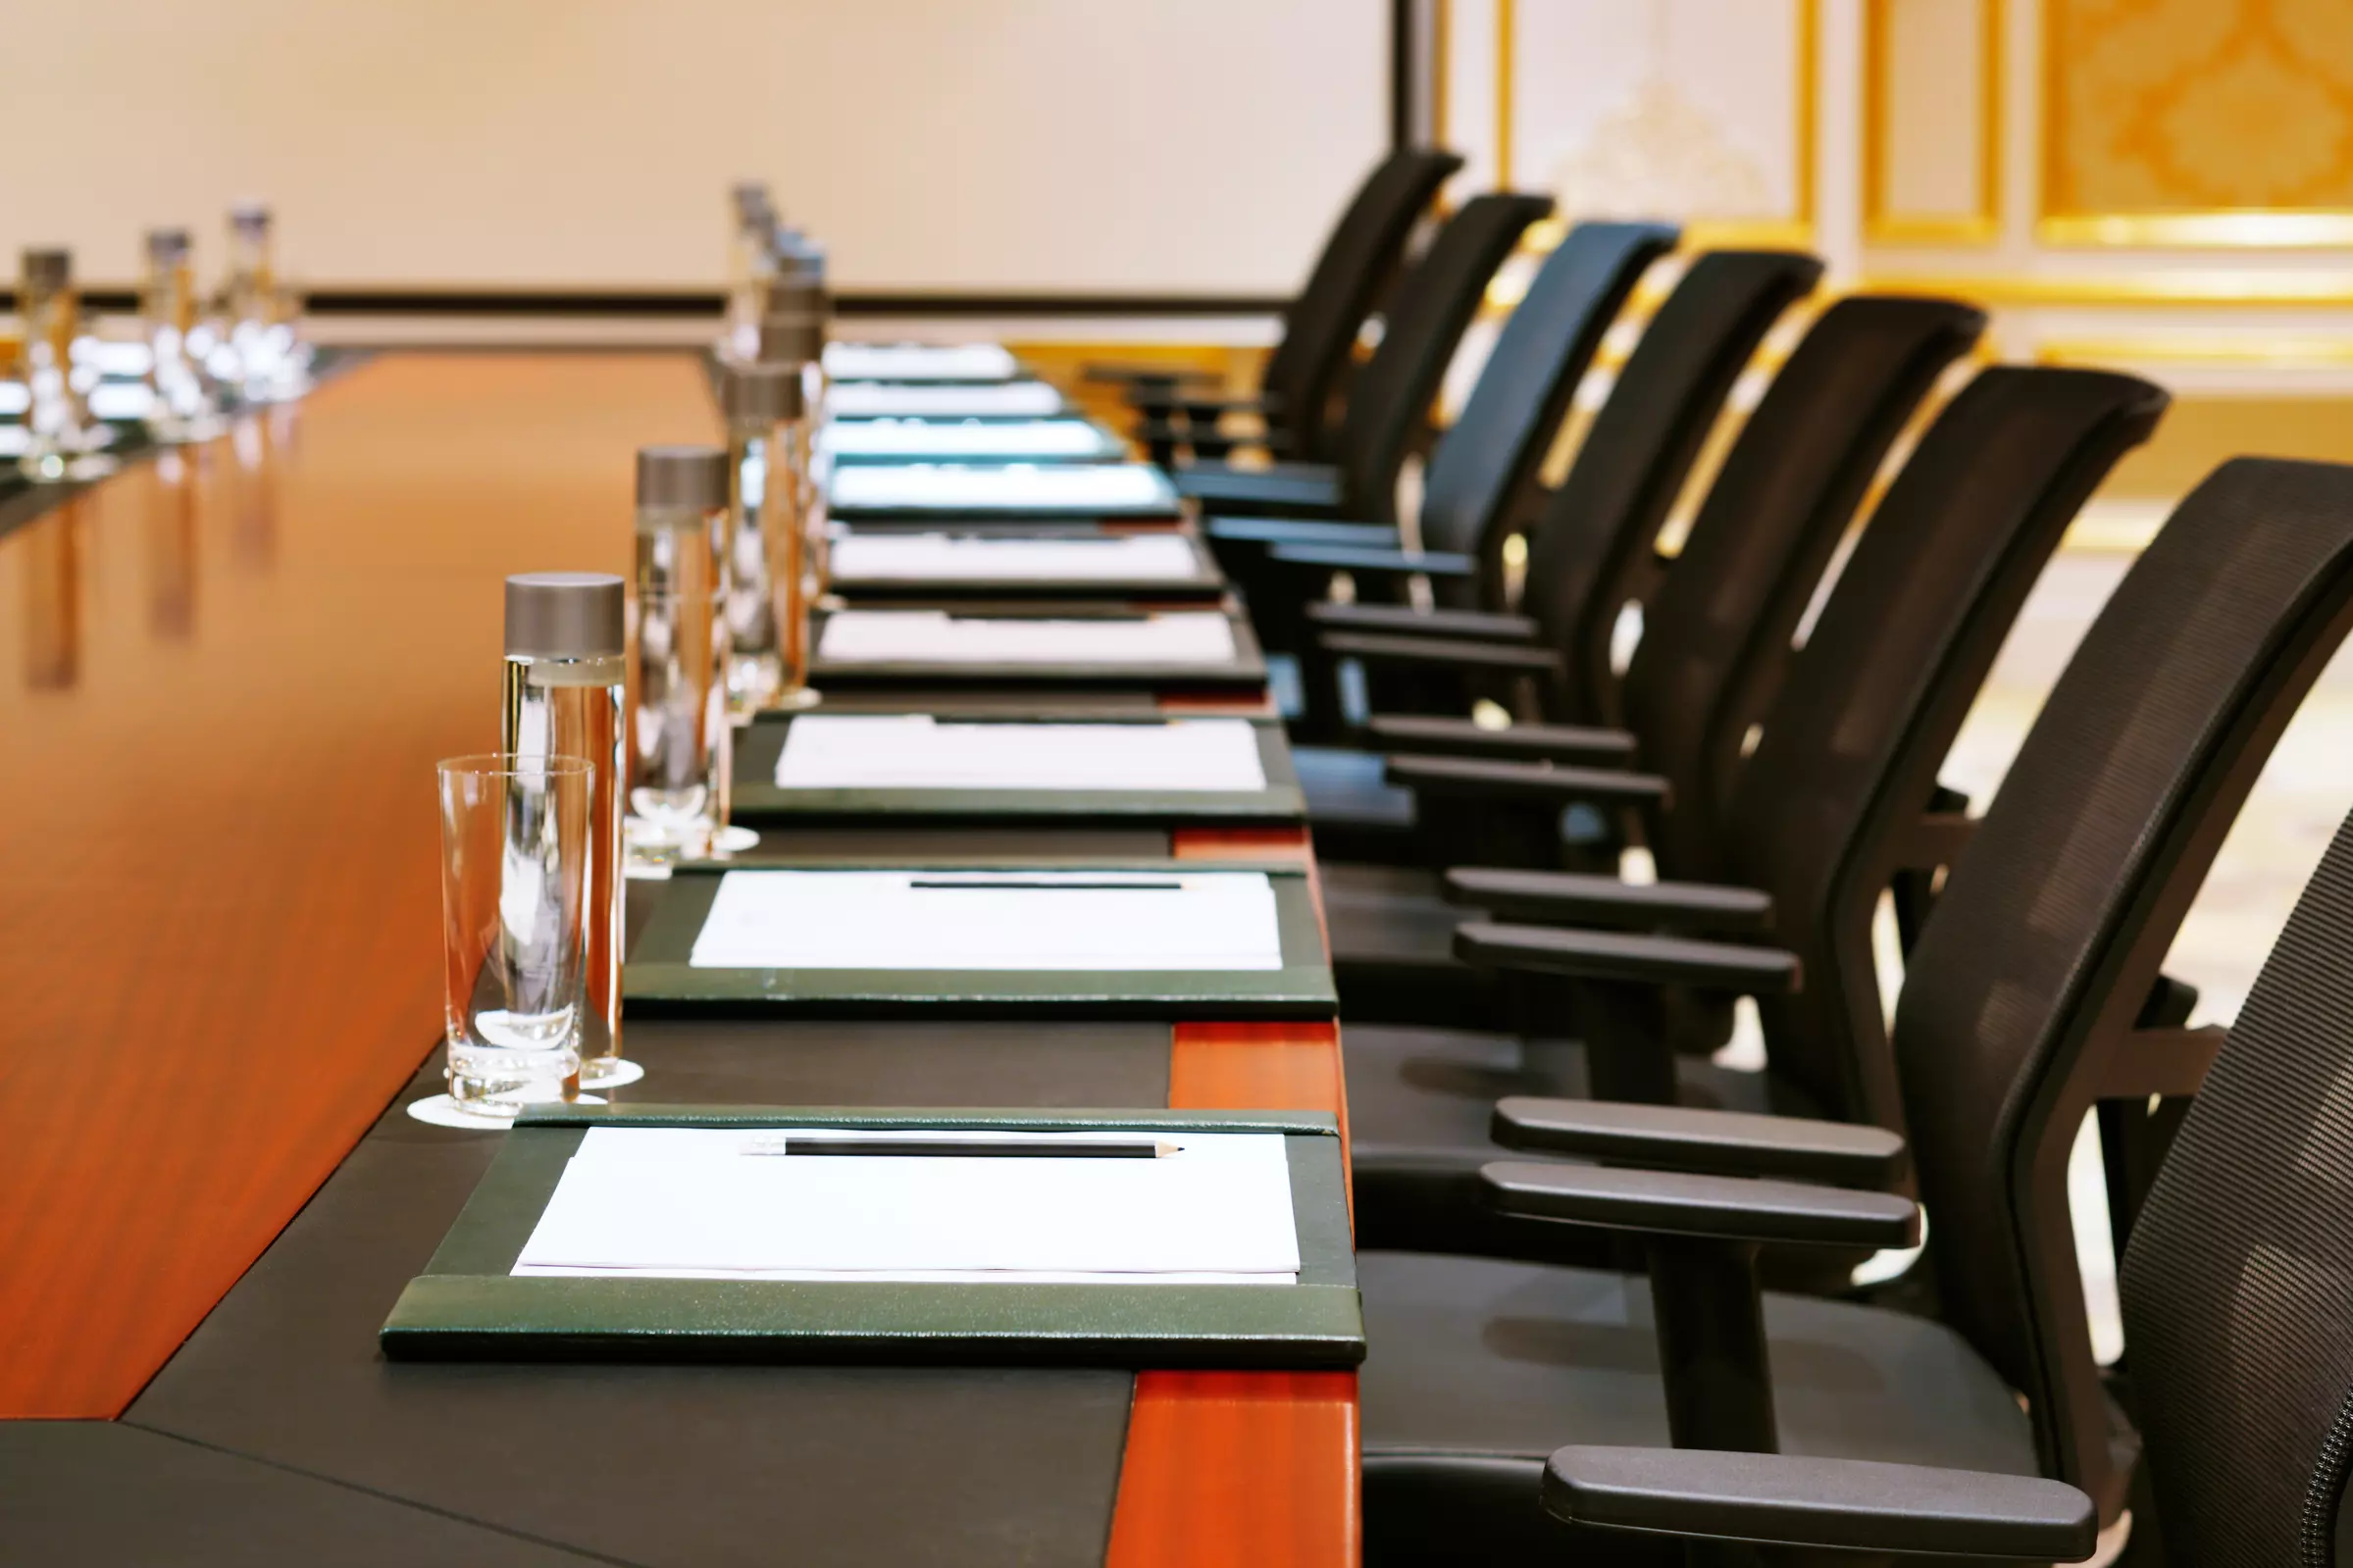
(231, 670)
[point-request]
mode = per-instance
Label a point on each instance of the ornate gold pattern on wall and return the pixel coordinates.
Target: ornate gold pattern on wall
(2198, 121)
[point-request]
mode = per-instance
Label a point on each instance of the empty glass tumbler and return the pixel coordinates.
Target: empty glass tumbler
(517, 839)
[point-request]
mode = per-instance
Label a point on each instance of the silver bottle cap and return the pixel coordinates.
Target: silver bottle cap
(564, 615)
(48, 267)
(792, 340)
(251, 218)
(681, 475)
(168, 245)
(768, 392)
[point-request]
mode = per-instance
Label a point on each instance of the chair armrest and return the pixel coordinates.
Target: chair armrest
(1300, 530)
(1358, 562)
(1304, 486)
(1432, 736)
(1647, 960)
(1157, 429)
(1441, 653)
(1718, 1208)
(1581, 898)
(1542, 782)
(1681, 1138)
(1481, 625)
(1828, 1504)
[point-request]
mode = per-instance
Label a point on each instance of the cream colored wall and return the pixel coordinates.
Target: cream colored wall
(935, 144)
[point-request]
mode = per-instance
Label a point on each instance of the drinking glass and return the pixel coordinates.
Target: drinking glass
(515, 842)
(678, 730)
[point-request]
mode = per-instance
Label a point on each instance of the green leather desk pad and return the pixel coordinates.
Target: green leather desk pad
(757, 800)
(1107, 447)
(1244, 671)
(657, 977)
(1205, 582)
(467, 1306)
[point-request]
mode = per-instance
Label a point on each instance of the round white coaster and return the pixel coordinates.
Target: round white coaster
(442, 1111)
(734, 840)
(623, 1071)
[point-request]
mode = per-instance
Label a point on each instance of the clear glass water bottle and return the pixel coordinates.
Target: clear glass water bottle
(794, 333)
(678, 730)
(271, 363)
(180, 406)
(767, 579)
(63, 442)
(567, 669)
(751, 262)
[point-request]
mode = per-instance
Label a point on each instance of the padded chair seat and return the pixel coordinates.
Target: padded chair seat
(1477, 1370)
(1289, 486)
(1419, 1100)
(1393, 945)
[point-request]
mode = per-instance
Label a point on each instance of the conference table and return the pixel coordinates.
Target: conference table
(228, 672)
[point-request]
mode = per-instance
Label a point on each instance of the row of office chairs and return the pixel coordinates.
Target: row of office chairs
(1608, 1281)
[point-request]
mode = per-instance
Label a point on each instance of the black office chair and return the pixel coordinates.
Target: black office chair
(1716, 634)
(1483, 471)
(1838, 798)
(2233, 1303)
(1389, 403)
(1636, 455)
(1304, 378)
(2023, 1008)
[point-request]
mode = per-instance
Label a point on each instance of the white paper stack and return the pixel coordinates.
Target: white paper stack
(992, 920)
(1083, 487)
(916, 557)
(934, 636)
(918, 362)
(702, 1203)
(860, 400)
(915, 751)
(977, 438)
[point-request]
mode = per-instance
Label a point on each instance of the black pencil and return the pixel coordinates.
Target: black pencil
(968, 1148)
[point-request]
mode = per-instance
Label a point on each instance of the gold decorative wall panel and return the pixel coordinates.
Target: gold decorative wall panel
(1932, 120)
(2198, 122)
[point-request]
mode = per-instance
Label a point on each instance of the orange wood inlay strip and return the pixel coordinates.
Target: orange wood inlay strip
(1243, 1467)
(225, 677)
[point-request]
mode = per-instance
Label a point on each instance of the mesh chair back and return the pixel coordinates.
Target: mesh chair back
(2236, 1281)
(2052, 927)
(1717, 635)
(1847, 758)
(1390, 398)
(1593, 547)
(1486, 464)
(1360, 260)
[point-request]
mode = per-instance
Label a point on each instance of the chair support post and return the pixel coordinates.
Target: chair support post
(1709, 1315)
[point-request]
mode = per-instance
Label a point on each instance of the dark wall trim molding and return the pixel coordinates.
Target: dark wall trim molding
(694, 303)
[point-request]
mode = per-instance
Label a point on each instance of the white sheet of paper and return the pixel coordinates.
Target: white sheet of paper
(114, 357)
(689, 1202)
(1006, 438)
(15, 397)
(913, 557)
(915, 751)
(15, 440)
(934, 636)
(919, 362)
(1099, 920)
(1003, 488)
(885, 400)
(121, 400)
